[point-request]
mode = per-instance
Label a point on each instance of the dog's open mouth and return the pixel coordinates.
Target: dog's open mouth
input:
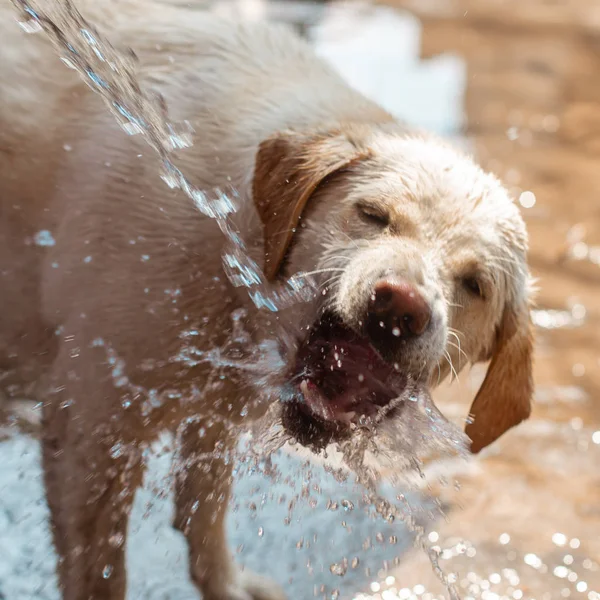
(339, 380)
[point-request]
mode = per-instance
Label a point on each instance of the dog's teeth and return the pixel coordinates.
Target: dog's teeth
(304, 387)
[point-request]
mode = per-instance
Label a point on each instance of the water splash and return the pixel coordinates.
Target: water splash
(112, 75)
(381, 447)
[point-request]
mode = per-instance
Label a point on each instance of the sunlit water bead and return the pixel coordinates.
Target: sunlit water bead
(116, 540)
(578, 249)
(391, 589)
(339, 569)
(107, 571)
(559, 539)
(560, 319)
(582, 251)
(527, 199)
(30, 24)
(44, 238)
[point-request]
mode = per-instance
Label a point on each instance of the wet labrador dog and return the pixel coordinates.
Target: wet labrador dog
(116, 313)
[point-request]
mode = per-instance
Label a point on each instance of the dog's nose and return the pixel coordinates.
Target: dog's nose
(397, 311)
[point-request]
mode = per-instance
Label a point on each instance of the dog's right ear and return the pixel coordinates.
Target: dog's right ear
(504, 399)
(289, 168)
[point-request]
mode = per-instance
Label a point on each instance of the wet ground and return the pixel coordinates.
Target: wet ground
(525, 521)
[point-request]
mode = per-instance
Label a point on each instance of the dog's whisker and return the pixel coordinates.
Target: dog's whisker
(455, 305)
(317, 271)
(328, 282)
(457, 346)
(453, 370)
(460, 351)
(439, 368)
(455, 331)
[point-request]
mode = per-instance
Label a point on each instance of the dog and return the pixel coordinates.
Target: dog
(114, 294)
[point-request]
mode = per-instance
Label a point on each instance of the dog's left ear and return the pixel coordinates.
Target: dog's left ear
(504, 399)
(289, 168)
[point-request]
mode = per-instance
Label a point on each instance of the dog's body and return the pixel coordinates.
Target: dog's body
(105, 271)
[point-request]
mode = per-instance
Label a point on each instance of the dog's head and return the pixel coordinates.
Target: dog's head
(421, 261)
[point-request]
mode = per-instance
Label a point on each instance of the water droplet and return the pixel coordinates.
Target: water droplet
(560, 539)
(532, 560)
(67, 147)
(30, 26)
(561, 571)
(512, 133)
(527, 199)
(339, 569)
(116, 451)
(578, 370)
(131, 128)
(107, 571)
(116, 540)
(70, 64)
(44, 238)
(261, 532)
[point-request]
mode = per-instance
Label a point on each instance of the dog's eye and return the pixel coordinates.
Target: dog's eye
(472, 285)
(373, 215)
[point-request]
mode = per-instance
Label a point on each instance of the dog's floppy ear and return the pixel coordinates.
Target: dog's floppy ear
(289, 168)
(504, 399)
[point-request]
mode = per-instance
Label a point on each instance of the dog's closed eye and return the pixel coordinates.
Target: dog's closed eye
(473, 285)
(376, 215)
